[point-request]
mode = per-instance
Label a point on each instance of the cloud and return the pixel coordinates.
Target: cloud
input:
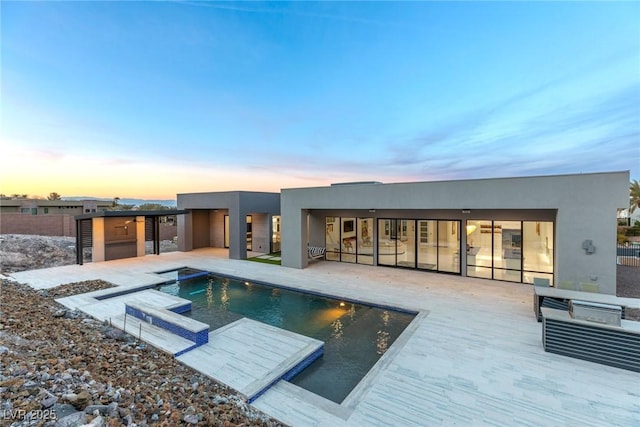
(485, 141)
(291, 11)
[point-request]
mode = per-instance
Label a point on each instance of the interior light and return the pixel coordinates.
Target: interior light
(341, 304)
(471, 228)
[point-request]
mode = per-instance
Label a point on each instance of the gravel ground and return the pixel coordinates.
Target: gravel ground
(628, 281)
(60, 368)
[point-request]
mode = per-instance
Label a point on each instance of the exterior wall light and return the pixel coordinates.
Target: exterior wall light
(588, 247)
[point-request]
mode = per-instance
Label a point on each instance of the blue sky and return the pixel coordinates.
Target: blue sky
(150, 99)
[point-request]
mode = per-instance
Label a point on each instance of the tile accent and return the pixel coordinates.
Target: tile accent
(190, 329)
(181, 308)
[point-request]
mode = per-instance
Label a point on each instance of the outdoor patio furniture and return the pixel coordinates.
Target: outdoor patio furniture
(541, 281)
(316, 252)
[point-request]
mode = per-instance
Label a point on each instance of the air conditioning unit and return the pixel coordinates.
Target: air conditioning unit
(595, 312)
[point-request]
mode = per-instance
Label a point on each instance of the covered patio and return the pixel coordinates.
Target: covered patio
(118, 234)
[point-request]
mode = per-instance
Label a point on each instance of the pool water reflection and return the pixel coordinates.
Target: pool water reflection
(355, 335)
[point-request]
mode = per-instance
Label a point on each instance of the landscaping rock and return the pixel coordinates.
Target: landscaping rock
(73, 420)
(86, 374)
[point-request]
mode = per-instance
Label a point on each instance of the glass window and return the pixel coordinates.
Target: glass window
(406, 243)
(481, 272)
(507, 245)
(365, 241)
(427, 245)
(538, 246)
(249, 233)
(479, 248)
(275, 233)
(332, 238)
(387, 242)
(348, 239)
(507, 250)
(449, 246)
(515, 251)
(226, 231)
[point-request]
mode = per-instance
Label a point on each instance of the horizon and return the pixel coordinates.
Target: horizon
(149, 100)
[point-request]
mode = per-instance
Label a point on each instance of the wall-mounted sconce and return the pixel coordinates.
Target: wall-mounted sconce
(588, 247)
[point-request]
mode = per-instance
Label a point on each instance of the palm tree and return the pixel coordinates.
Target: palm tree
(634, 196)
(54, 196)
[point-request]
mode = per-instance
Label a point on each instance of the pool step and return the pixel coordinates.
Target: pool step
(154, 335)
(250, 356)
(193, 330)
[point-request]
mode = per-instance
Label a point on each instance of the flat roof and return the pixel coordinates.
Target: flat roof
(462, 180)
(121, 214)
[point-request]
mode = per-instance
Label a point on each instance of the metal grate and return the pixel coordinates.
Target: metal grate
(628, 255)
(558, 304)
(603, 345)
(86, 233)
(148, 229)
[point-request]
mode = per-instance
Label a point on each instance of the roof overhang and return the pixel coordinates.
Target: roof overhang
(122, 214)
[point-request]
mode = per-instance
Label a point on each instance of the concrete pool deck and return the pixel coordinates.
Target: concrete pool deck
(474, 358)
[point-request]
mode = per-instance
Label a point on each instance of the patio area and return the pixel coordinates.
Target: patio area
(473, 357)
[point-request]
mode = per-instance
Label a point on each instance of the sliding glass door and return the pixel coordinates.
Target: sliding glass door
(514, 251)
(424, 244)
(449, 246)
(387, 242)
(427, 244)
(349, 239)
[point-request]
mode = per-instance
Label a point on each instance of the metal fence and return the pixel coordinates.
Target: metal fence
(629, 255)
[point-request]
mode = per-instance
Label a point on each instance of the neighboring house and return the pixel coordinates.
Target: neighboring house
(45, 217)
(631, 219)
(52, 207)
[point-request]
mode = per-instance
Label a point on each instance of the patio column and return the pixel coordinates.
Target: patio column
(97, 231)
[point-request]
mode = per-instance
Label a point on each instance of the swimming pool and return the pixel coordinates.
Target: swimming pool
(355, 335)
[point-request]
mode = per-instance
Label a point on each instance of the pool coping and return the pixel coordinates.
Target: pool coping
(356, 395)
